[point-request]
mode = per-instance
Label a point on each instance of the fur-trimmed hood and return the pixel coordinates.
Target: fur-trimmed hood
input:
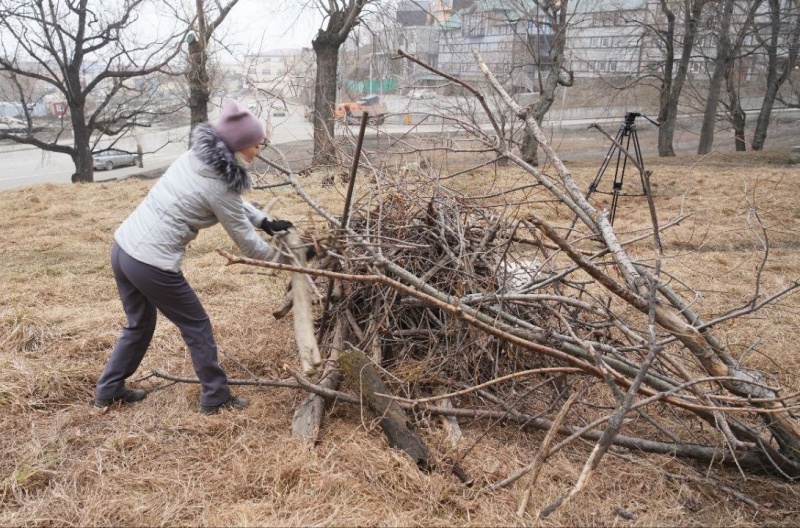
(213, 152)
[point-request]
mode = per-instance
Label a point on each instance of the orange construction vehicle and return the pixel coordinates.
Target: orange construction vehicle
(351, 113)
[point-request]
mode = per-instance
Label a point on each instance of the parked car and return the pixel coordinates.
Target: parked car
(11, 124)
(110, 158)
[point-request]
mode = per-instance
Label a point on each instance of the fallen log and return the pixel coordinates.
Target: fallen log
(286, 304)
(307, 419)
(293, 252)
(393, 420)
(310, 358)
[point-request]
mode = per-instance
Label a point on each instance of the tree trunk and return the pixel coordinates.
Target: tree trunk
(738, 117)
(307, 347)
(776, 78)
(81, 133)
(762, 121)
(557, 75)
(325, 99)
(671, 88)
(198, 73)
(198, 83)
(666, 129)
(530, 148)
(307, 419)
(82, 156)
(721, 66)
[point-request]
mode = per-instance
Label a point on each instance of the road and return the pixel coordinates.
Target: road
(23, 165)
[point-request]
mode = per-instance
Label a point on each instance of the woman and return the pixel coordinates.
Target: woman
(202, 187)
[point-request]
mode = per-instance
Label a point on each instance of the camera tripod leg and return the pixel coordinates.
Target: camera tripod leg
(601, 171)
(623, 155)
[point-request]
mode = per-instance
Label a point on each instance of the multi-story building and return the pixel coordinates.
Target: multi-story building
(608, 37)
(418, 35)
(509, 36)
(605, 37)
(625, 37)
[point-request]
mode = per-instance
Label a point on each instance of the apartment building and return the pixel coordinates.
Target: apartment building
(609, 38)
(605, 38)
(509, 35)
(625, 37)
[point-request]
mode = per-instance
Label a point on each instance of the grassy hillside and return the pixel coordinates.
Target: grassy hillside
(161, 463)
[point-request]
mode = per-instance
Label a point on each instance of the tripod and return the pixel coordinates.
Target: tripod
(625, 137)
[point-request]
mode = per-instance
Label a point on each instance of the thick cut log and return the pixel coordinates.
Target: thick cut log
(393, 419)
(310, 358)
(292, 250)
(288, 300)
(307, 419)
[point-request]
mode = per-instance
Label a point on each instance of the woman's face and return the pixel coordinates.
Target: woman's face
(250, 153)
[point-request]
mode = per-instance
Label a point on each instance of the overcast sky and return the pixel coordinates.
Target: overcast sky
(266, 25)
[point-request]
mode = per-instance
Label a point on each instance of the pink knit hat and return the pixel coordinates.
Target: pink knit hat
(237, 127)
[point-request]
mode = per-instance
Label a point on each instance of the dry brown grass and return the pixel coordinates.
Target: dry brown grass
(162, 463)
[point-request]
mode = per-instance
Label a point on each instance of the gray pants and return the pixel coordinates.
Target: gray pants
(144, 289)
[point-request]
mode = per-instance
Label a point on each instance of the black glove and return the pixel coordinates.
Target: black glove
(273, 226)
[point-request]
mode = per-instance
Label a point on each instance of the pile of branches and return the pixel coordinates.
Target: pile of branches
(477, 310)
(477, 307)
(456, 247)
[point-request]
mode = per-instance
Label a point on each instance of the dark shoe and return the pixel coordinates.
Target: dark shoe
(232, 403)
(129, 396)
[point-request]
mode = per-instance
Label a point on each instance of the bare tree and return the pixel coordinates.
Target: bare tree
(735, 111)
(721, 66)
(733, 105)
(552, 16)
(89, 53)
(207, 18)
(730, 24)
(672, 78)
(782, 45)
(340, 17)
(667, 31)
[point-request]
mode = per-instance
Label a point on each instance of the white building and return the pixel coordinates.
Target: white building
(511, 39)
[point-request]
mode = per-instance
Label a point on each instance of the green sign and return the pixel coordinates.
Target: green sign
(386, 85)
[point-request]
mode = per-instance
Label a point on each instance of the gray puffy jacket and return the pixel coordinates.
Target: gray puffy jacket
(202, 187)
